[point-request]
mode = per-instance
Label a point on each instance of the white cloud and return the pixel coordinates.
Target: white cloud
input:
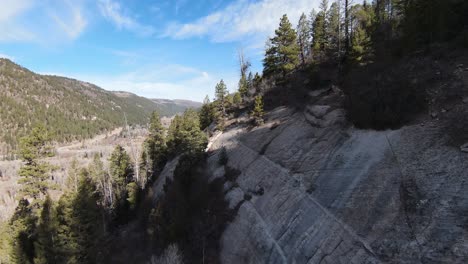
(113, 11)
(41, 21)
(241, 20)
(77, 23)
(10, 30)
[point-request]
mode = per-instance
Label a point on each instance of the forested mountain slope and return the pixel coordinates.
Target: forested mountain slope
(71, 109)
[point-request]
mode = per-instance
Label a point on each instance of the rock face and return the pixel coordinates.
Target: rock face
(335, 194)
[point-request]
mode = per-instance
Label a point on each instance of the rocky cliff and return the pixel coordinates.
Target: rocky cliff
(316, 190)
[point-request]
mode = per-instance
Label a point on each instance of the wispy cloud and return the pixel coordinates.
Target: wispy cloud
(34, 21)
(9, 26)
(114, 12)
(77, 23)
(241, 20)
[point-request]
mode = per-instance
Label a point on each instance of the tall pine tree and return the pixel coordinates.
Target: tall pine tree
(282, 55)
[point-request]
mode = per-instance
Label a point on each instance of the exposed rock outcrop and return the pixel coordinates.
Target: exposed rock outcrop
(335, 194)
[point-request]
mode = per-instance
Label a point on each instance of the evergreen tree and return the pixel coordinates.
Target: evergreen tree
(282, 56)
(303, 37)
(258, 112)
(361, 41)
(319, 34)
(334, 30)
(121, 171)
(44, 246)
(237, 99)
(155, 145)
(207, 114)
(185, 136)
(34, 175)
(86, 222)
(221, 93)
(23, 226)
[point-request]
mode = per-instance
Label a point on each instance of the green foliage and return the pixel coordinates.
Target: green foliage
(23, 225)
(258, 112)
(207, 113)
(237, 99)
(319, 32)
(155, 146)
(221, 93)
(334, 32)
(282, 53)
(185, 136)
(192, 213)
(303, 37)
(44, 246)
(34, 174)
(132, 195)
(121, 171)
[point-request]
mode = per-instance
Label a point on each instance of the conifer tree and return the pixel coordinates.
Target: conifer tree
(34, 175)
(155, 145)
(23, 226)
(303, 37)
(206, 113)
(121, 171)
(258, 112)
(282, 54)
(319, 35)
(334, 30)
(221, 93)
(185, 135)
(44, 246)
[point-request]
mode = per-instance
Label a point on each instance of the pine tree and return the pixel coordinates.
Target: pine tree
(155, 145)
(23, 226)
(319, 35)
(221, 93)
(121, 171)
(86, 221)
(34, 175)
(185, 135)
(282, 56)
(303, 37)
(334, 30)
(206, 114)
(258, 112)
(44, 246)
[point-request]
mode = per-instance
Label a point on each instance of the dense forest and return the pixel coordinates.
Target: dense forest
(362, 48)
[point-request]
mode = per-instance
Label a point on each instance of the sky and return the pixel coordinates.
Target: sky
(174, 49)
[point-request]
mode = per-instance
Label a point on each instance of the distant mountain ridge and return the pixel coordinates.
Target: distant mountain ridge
(71, 109)
(176, 105)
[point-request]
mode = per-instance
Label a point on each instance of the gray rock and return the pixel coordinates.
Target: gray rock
(379, 196)
(464, 148)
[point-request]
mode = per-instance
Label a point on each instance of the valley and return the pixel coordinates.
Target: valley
(81, 151)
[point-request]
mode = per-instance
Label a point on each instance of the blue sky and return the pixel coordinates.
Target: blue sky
(154, 48)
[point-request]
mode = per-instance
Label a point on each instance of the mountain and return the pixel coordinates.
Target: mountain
(176, 106)
(71, 109)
